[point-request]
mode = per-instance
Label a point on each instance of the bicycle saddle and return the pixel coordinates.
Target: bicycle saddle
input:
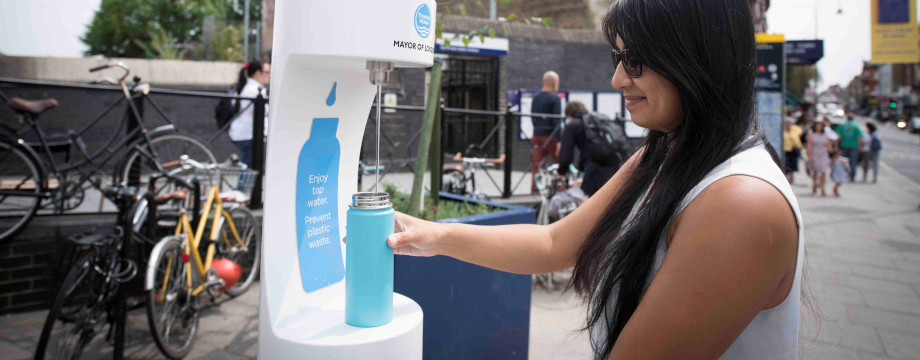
(33, 106)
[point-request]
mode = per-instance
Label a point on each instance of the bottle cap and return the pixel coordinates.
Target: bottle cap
(370, 201)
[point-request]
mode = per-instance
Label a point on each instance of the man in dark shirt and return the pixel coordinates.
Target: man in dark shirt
(545, 102)
(595, 175)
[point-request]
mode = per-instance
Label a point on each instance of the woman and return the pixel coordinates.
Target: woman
(818, 151)
(694, 248)
(596, 172)
(792, 148)
(254, 76)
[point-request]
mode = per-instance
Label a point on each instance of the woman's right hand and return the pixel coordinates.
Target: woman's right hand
(416, 237)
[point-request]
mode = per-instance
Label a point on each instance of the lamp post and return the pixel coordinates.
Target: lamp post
(817, 78)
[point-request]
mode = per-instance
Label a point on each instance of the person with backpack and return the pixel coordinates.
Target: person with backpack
(253, 78)
(871, 156)
(601, 142)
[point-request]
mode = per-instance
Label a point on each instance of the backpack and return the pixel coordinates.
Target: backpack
(875, 144)
(226, 110)
(606, 138)
(564, 203)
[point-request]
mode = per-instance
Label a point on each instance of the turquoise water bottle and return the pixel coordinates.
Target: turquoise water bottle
(317, 214)
(369, 261)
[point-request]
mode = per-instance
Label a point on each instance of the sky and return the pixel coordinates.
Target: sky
(54, 27)
(44, 27)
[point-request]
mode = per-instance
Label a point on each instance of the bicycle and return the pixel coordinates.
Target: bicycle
(465, 172)
(92, 294)
(549, 184)
(27, 185)
(177, 274)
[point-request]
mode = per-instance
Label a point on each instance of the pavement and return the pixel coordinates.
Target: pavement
(862, 282)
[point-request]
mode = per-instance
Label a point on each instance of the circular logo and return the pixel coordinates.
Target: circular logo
(423, 20)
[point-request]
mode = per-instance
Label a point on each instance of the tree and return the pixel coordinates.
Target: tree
(226, 42)
(124, 28)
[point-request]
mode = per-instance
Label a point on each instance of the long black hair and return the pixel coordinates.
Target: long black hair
(706, 49)
(249, 69)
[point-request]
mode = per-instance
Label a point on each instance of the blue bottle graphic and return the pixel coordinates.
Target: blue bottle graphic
(369, 261)
(318, 245)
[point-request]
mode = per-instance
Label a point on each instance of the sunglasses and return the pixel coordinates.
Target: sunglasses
(631, 64)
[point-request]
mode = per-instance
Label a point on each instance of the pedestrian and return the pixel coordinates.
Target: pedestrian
(695, 248)
(840, 171)
(849, 142)
(864, 154)
(597, 171)
(818, 151)
(829, 132)
(252, 80)
(546, 131)
(874, 146)
(792, 148)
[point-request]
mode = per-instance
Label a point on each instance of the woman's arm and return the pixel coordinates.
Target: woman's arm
(732, 254)
(523, 249)
(808, 147)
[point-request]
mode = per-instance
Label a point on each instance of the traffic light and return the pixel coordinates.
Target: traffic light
(893, 105)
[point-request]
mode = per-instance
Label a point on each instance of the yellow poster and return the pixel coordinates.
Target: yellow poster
(894, 32)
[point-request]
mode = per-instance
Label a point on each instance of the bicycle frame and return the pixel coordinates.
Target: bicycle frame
(133, 139)
(193, 240)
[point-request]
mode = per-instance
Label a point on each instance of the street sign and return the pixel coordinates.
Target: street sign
(894, 31)
(804, 52)
(769, 86)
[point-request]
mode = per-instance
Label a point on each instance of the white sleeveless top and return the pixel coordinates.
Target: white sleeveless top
(773, 333)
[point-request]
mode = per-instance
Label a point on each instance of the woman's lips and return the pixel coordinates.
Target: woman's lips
(633, 100)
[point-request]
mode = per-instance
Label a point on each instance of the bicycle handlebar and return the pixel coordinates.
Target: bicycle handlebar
(188, 163)
(114, 64)
(460, 158)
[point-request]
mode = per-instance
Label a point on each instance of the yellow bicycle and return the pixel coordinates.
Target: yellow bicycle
(177, 273)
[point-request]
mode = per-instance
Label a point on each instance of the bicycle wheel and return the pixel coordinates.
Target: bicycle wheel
(250, 235)
(137, 167)
(76, 315)
(172, 311)
(20, 188)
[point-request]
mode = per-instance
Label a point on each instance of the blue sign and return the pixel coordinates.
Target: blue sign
(893, 11)
(423, 20)
(319, 249)
(471, 49)
(804, 52)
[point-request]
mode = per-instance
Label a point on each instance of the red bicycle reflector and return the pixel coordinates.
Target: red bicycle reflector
(185, 258)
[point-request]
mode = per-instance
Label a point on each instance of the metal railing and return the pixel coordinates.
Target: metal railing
(511, 131)
(258, 102)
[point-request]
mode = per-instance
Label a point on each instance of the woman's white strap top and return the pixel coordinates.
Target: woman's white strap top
(773, 333)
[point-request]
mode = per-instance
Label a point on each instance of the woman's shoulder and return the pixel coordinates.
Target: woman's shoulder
(251, 89)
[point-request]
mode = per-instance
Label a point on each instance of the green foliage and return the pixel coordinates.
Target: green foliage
(120, 27)
(161, 46)
(233, 9)
(227, 43)
(436, 211)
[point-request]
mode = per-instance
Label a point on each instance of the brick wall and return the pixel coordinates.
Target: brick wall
(33, 264)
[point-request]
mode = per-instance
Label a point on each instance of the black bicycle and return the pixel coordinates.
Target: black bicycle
(31, 178)
(93, 296)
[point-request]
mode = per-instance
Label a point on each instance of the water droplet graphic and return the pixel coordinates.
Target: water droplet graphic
(331, 99)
